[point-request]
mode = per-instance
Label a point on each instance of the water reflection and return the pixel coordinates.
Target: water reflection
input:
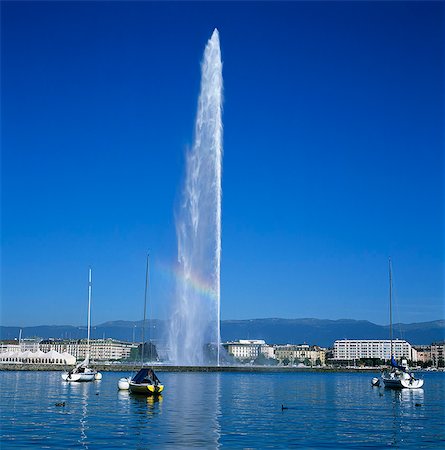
(367, 414)
(80, 397)
(147, 404)
(412, 396)
(187, 415)
(83, 421)
(195, 411)
(217, 416)
(123, 396)
(209, 410)
(406, 404)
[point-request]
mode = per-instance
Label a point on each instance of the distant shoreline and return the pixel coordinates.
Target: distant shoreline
(160, 368)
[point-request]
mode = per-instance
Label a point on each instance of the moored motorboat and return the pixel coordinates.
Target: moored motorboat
(145, 382)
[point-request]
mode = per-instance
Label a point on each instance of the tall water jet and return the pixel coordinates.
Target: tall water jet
(195, 323)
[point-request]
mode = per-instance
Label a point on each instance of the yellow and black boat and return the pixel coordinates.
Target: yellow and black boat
(146, 382)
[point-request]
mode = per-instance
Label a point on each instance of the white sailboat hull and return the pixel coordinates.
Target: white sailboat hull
(78, 376)
(412, 384)
(398, 377)
(82, 372)
(402, 380)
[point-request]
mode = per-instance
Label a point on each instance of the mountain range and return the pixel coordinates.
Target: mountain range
(273, 331)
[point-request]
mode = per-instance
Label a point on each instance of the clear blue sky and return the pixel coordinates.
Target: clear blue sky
(333, 156)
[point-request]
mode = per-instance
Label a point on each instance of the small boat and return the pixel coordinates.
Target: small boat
(145, 381)
(82, 372)
(398, 376)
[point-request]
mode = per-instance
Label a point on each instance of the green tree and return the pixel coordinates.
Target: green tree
(263, 360)
(134, 354)
(150, 352)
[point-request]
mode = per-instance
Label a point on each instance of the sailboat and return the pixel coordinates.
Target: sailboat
(83, 371)
(398, 376)
(145, 381)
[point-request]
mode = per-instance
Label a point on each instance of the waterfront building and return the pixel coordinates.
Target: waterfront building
(32, 350)
(100, 349)
(353, 349)
(9, 346)
(22, 345)
(294, 354)
(268, 351)
(248, 349)
(37, 357)
(423, 354)
(437, 354)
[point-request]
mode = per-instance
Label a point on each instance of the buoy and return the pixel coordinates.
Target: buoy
(375, 381)
(123, 384)
(98, 376)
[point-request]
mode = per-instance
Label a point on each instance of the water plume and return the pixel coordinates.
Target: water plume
(194, 336)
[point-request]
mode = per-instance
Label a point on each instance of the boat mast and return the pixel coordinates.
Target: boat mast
(90, 285)
(145, 309)
(390, 307)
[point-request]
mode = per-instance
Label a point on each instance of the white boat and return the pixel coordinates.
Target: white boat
(398, 376)
(83, 371)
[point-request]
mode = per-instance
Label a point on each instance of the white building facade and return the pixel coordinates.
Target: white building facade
(299, 353)
(100, 349)
(438, 354)
(350, 349)
(248, 349)
(23, 345)
(38, 357)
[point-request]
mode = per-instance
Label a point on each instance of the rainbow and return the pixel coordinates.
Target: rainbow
(194, 282)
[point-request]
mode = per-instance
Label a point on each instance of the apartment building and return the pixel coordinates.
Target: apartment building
(437, 354)
(100, 349)
(350, 349)
(248, 349)
(299, 353)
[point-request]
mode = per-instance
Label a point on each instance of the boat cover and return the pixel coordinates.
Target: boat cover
(146, 375)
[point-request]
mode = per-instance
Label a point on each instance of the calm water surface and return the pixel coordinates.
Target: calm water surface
(210, 410)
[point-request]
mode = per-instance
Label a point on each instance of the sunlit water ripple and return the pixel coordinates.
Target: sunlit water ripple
(209, 410)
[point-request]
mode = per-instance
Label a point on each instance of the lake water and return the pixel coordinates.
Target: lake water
(210, 410)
